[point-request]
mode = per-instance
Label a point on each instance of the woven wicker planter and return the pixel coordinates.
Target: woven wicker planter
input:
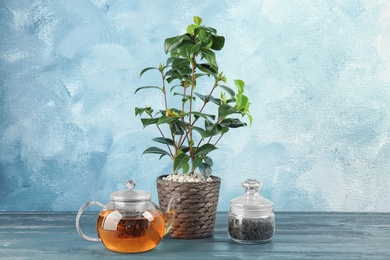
(196, 210)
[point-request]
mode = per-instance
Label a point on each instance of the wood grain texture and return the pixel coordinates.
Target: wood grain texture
(52, 235)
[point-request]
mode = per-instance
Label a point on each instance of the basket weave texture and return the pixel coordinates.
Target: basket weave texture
(195, 210)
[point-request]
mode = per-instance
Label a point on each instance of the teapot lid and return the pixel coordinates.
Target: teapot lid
(130, 195)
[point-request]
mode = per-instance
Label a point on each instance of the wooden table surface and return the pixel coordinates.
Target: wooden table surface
(299, 235)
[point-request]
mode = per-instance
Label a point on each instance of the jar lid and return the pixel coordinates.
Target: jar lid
(251, 204)
(130, 195)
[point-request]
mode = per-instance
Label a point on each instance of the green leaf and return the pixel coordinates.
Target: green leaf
(240, 84)
(198, 75)
(206, 68)
(228, 90)
(197, 20)
(197, 162)
(201, 131)
(198, 114)
(206, 99)
(216, 101)
(188, 50)
(191, 28)
(184, 71)
(177, 128)
(186, 97)
(171, 75)
(207, 160)
(179, 161)
(204, 37)
(209, 55)
(149, 121)
(210, 128)
(147, 87)
(225, 110)
(140, 111)
(218, 42)
(210, 30)
(146, 69)
(173, 42)
(205, 170)
(232, 123)
(202, 97)
(185, 167)
(223, 98)
(176, 111)
(155, 150)
(204, 149)
(250, 118)
(175, 86)
(180, 63)
(241, 101)
(164, 140)
(223, 129)
(169, 60)
(184, 149)
(208, 125)
(165, 120)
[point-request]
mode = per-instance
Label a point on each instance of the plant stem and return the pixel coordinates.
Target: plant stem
(166, 107)
(190, 123)
(164, 90)
(185, 85)
(162, 134)
(209, 96)
(200, 111)
(215, 144)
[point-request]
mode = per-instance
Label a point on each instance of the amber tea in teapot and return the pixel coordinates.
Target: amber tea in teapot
(130, 234)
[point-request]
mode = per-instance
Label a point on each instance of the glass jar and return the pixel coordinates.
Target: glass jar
(251, 217)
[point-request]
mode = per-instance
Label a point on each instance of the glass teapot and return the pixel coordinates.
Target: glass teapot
(130, 222)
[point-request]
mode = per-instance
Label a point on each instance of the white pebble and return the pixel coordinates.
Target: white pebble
(197, 177)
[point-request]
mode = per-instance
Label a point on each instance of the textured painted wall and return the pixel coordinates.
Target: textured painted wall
(318, 73)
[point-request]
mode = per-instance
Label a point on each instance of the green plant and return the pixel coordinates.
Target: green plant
(188, 131)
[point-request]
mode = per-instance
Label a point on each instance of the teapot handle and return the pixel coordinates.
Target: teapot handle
(171, 212)
(79, 213)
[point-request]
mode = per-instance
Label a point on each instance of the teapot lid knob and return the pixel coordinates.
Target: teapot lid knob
(130, 194)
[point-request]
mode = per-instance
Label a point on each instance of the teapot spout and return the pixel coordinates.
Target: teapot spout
(170, 213)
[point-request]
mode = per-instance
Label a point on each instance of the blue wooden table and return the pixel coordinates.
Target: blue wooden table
(52, 235)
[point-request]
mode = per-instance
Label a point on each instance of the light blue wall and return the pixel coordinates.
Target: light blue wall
(318, 73)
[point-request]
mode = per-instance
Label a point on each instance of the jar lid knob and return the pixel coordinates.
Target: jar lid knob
(250, 184)
(130, 184)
